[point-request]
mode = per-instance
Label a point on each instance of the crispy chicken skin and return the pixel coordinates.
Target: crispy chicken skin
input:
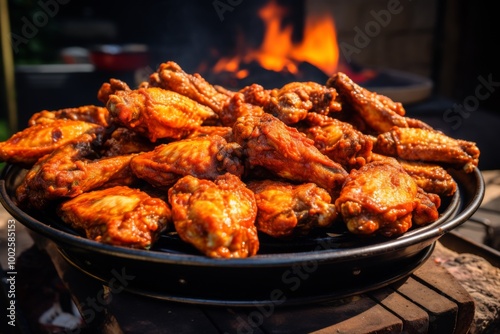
(225, 132)
(27, 146)
(283, 150)
(381, 198)
(286, 209)
(70, 171)
(379, 112)
(292, 102)
(204, 157)
(110, 88)
(216, 217)
(157, 113)
(118, 215)
(432, 178)
(123, 141)
(417, 144)
(338, 140)
(171, 76)
(89, 113)
(243, 103)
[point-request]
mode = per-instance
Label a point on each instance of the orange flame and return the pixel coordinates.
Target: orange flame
(278, 52)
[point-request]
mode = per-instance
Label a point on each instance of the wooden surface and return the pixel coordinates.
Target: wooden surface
(428, 301)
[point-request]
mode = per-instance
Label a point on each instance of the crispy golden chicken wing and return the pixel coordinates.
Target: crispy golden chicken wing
(426, 145)
(286, 209)
(70, 171)
(246, 102)
(171, 76)
(338, 140)
(157, 113)
(204, 157)
(217, 217)
(225, 132)
(379, 112)
(118, 215)
(382, 198)
(89, 113)
(27, 146)
(283, 150)
(292, 102)
(432, 178)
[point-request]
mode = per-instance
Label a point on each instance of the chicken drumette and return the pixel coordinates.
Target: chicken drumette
(290, 103)
(216, 217)
(338, 140)
(382, 198)
(286, 209)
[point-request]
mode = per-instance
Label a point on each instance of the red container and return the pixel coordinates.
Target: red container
(112, 57)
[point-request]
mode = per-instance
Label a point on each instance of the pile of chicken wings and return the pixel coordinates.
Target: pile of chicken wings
(221, 167)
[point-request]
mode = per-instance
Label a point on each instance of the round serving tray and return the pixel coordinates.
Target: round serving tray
(321, 267)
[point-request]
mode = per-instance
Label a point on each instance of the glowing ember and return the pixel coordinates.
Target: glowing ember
(279, 53)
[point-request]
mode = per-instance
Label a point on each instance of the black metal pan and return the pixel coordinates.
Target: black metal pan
(316, 268)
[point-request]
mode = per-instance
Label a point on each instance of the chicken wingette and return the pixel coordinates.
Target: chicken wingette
(119, 216)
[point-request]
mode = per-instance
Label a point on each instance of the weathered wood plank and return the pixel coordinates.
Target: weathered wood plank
(415, 319)
(440, 280)
(442, 312)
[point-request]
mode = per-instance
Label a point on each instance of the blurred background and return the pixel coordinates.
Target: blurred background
(436, 56)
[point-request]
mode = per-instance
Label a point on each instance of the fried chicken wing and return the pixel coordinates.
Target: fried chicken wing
(124, 141)
(89, 113)
(292, 102)
(70, 171)
(27, 146)
(110, 88)
(425, 145)
(171, 76)
(432, 178)
(205, 157)
(381, 197)
(379, 112)
(120, 216)
(225, 132)
(247, 101)
(157, 113)
(270, 143)
(286, 209)
(217, 217)
(338, 140)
